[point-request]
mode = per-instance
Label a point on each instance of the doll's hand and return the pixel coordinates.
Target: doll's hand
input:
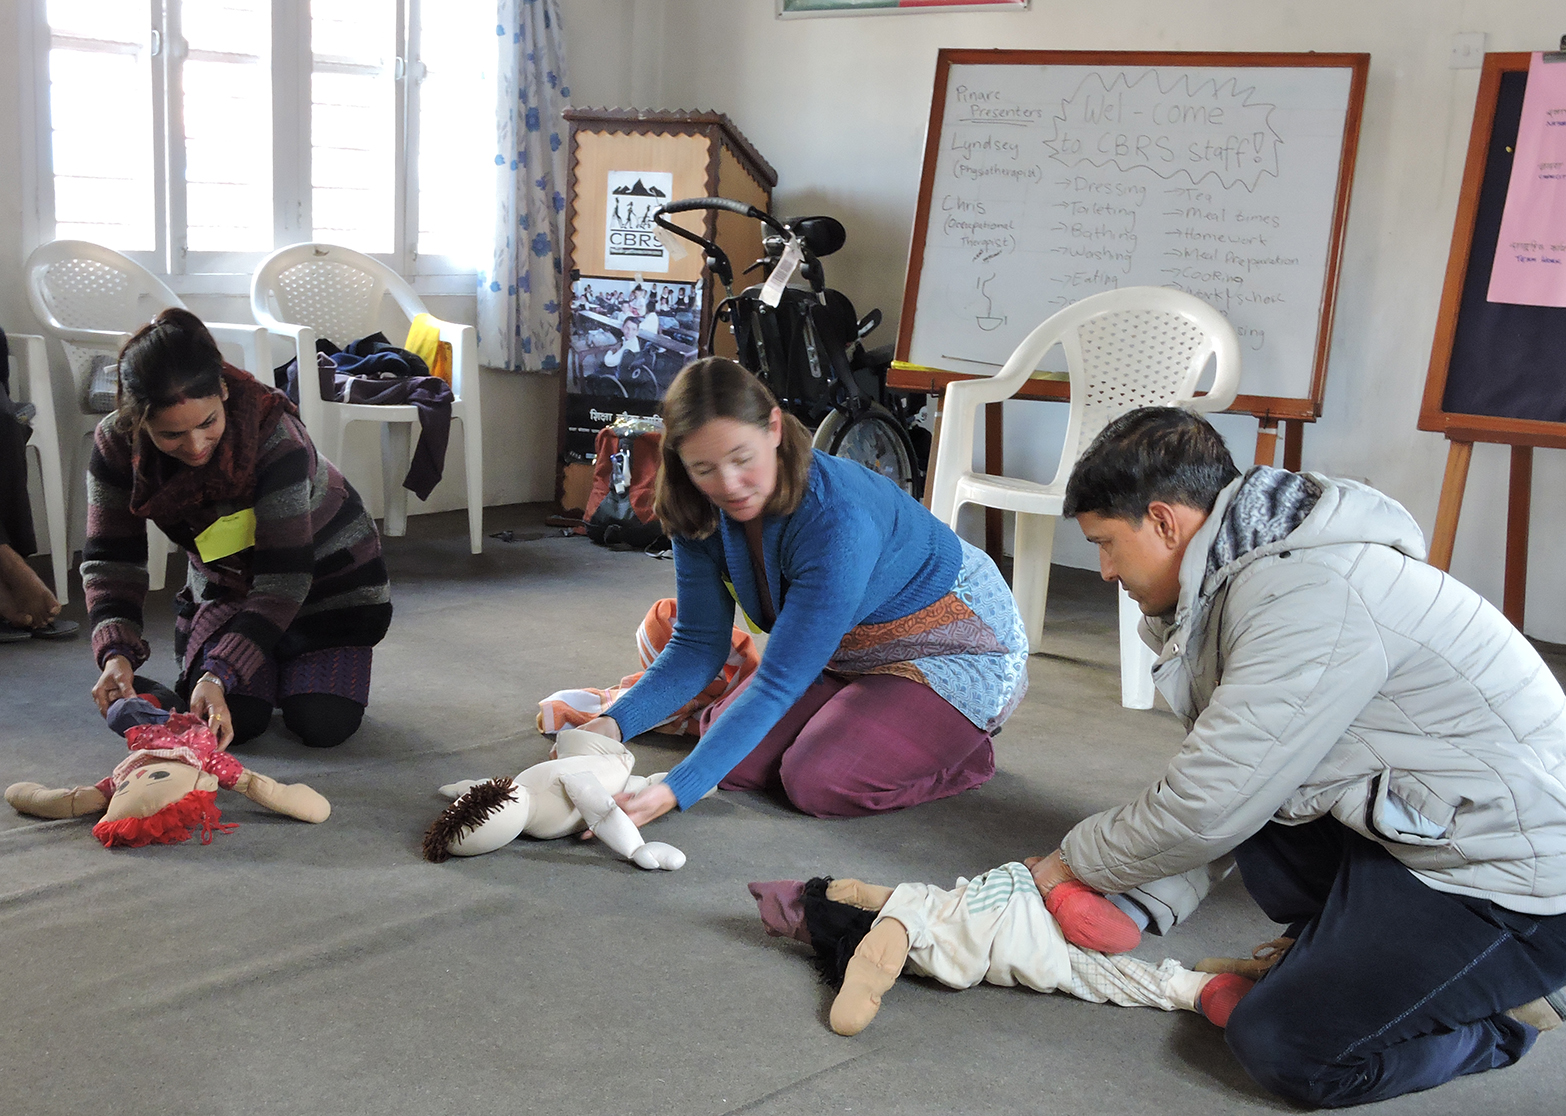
(647, 803)
(208, 702)
(117, 681)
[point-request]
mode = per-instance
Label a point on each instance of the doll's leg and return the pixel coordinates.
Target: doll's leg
(871, 972)
(614, 827)
(857, 893)
(1132, 982)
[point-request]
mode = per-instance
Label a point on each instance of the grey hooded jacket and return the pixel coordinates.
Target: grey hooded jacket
(1333, 672)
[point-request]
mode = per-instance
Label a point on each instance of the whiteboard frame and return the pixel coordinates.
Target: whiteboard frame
(1265, 408)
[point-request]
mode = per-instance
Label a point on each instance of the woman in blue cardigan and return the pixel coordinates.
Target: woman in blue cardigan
(895, 648)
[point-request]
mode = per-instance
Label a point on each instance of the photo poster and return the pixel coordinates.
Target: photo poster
(630, 237)
(1530, 255)
(629, 339)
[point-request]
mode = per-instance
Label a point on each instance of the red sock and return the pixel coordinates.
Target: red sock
(1222, 994)
(1089, 920)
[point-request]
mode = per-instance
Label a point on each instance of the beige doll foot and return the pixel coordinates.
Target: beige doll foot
(857, 893)
(40, 801)
(871, 971)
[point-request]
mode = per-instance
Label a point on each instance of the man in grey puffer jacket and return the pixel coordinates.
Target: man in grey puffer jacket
(1381, 751)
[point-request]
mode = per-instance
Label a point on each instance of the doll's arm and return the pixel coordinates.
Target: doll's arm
(62, 802)
(293, 799)
(613, 827)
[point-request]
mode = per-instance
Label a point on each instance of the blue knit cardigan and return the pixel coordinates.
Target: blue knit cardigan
(857, 550)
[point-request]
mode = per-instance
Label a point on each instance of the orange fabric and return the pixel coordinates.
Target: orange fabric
(570, 708)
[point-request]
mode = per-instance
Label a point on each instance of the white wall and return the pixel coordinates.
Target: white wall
(839, 105)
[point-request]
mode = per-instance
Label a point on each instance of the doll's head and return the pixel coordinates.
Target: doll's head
(160, 803)
(488, 815)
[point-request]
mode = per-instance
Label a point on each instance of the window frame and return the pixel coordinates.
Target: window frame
(291, 68)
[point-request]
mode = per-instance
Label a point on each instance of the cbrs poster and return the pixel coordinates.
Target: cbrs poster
(631, 238)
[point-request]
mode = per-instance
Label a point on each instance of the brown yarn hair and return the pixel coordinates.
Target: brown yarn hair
(718, 388)
(167, 361)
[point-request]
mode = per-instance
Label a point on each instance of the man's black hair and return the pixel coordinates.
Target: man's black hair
(1154, 453)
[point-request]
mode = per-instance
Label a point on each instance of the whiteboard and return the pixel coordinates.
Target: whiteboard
(1047, 182)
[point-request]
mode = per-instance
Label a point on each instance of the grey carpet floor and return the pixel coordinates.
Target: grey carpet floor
(288, 968)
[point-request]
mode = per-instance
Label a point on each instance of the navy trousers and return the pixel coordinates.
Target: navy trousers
(1391, 986)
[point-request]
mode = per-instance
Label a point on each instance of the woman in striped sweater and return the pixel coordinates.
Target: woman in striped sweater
(286, 593)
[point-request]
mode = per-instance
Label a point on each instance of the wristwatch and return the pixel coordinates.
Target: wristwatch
(214, 679)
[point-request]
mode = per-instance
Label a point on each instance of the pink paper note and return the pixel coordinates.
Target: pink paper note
(1530, 253)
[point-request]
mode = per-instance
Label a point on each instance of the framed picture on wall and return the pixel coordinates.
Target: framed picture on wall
(799, 9)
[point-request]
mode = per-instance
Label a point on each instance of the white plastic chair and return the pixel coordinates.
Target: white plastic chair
(309, 291)
(31, 385)
(91, 299)
(1138, 347)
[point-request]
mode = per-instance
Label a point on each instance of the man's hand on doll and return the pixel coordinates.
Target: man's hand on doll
(117, 681)
(1048, 871)
(208, 702)
(1086, 918)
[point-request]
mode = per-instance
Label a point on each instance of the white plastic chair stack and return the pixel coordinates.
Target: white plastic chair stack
(91, 299)
(1138, 347)
(310, 291)
(31, 385)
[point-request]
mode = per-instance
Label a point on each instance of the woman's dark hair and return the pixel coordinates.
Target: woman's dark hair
(1153, 453)
(717, 388)
(170, 359)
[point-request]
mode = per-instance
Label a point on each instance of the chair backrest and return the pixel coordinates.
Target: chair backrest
(335, 291)
(1137, 347)
(75, 284)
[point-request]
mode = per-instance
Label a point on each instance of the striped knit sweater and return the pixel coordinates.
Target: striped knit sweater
(314, 578)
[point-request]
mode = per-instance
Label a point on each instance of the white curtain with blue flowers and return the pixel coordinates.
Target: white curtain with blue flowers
(519, 297)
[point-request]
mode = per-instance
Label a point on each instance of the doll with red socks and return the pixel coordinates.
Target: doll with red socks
(994, 928)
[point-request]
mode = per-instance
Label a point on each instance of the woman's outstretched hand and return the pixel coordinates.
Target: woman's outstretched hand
(117, 681)
(647, 803)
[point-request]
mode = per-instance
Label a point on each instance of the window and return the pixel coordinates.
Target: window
(197, 135)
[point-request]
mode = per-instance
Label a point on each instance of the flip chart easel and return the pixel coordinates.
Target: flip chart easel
(1497, 371)
(1052, 175)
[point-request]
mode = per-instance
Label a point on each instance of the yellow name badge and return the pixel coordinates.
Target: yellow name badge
(228, 535)
(755, 628)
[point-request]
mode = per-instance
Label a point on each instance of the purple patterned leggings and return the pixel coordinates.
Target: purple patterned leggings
(866, 745)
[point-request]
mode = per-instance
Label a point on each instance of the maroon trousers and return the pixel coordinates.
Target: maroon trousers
(866, 745)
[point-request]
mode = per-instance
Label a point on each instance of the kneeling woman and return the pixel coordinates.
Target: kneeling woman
(286, 592)
(895, 648)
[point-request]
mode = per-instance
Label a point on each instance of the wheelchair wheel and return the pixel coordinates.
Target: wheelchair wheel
(874, 439)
